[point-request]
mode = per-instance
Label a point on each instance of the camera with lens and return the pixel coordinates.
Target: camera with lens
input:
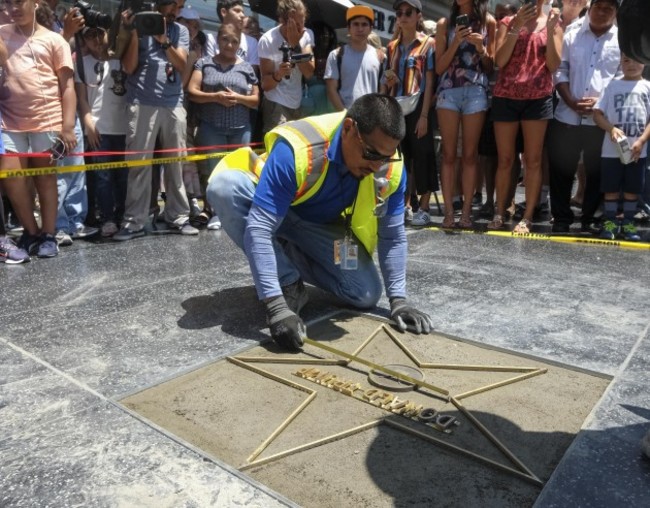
(93, 18)
(293, 55)
(148, 21)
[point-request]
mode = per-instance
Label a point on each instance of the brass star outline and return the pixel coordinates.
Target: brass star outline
(519, 469)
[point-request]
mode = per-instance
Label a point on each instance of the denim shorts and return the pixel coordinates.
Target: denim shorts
(26, 142)
(465, 100)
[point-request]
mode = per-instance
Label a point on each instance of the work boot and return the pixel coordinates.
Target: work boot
(296, 296)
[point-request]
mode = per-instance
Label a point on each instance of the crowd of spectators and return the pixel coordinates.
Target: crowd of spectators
(535, 90)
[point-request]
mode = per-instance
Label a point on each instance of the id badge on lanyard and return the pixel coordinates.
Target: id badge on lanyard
(346, 253)
(346, 250)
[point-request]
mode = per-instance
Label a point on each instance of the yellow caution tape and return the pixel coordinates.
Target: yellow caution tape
(51, 170)
(552, 238)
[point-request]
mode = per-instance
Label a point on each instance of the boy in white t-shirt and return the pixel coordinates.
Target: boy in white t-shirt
(624, 111)
(103, 111)
(353, 70)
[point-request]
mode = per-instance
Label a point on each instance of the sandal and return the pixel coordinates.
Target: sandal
(448, 222)
(496, 223)
(523, 227)
(465, 223)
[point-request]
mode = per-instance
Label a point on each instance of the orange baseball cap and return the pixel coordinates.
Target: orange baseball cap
(360, 10)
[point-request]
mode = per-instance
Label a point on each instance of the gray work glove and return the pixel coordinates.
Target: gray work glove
(409, 318)
(287, 329)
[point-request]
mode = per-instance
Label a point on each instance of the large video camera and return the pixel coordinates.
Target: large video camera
(148, 21)
(293, 57)
(93, 18)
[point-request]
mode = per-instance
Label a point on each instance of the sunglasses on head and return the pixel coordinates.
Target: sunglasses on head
(407, 13)
(372, 155)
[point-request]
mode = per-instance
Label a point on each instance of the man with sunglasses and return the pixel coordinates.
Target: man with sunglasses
(329, 192)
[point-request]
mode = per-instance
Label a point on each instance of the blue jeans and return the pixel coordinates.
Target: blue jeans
(302, 249)
(209, 135)
(110, 184)
(73, 200)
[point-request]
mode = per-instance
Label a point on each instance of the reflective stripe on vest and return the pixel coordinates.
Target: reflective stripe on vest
(310, 139)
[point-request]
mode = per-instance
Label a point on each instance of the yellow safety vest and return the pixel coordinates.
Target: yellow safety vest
(310, 139)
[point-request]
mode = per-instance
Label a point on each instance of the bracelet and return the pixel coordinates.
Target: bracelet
(274, 79)
(511, 32)
(424, 116)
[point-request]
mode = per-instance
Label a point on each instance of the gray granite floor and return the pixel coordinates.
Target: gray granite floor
(106, 319)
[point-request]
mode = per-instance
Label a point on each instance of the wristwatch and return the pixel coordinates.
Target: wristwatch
(165, 45)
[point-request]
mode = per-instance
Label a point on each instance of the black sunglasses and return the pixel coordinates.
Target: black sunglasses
(408, 13)
(372, 155)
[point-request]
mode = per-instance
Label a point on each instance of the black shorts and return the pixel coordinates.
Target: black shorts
(513, 110)
(619, 177)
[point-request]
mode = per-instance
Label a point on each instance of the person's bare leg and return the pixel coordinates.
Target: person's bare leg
(19, 192)
(534, 131)
(425, 201)
(506, 136)
(449, 121)
(472, 127)
(48, 197)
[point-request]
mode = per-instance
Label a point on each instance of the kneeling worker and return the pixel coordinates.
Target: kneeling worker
(330, 190)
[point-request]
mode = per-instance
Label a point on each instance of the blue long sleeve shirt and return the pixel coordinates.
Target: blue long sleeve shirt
(274, 194)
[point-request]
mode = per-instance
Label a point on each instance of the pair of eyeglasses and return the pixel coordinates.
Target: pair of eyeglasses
(170, 72)
(407, 13)
(58, 150)
(372, 155)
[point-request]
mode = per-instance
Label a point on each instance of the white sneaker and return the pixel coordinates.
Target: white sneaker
(63, 239)
(214, 223)
(408, 214)
(109, 229)
(421, 218)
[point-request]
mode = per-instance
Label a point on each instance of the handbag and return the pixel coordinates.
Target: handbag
(408, 103)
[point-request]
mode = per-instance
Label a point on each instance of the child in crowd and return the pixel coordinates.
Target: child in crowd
(38, 78)
(624, 111)
(103, 111)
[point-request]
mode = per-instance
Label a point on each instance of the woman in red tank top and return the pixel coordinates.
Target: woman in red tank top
(529, 47)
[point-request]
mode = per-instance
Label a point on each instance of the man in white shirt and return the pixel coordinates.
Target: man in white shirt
(590, 60)
(353, 70)
(282, 81)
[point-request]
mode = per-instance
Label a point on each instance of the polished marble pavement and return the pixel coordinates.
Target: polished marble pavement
(107, 319)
